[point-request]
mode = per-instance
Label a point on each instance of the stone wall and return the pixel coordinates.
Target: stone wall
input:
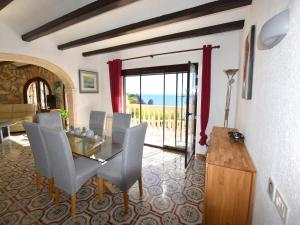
(13, 79)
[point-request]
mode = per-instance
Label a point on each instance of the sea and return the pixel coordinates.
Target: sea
(170, 100)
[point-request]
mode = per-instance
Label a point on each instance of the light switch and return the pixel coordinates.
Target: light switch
(281, 206)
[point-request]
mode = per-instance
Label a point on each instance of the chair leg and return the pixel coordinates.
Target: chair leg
(100, 189)
(56, 196)
(50, 185)
(125, 195)
(73, 205)
(140, 186)
(38, 181)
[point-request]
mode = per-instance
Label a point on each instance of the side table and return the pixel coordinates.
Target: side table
(4, 130)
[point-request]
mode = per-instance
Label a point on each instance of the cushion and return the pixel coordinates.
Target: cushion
(23, 107)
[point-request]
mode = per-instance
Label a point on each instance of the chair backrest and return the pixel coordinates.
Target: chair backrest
(121, 121)
(39, 149)
(62, 162)
(132, 154)
(97, 121)
(50, 120)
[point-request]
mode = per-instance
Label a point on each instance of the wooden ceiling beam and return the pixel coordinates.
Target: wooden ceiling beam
(231, 26)
(198, 11)
(4, 3)
(86, 12)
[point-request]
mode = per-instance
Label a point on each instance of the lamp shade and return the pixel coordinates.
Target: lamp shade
(274, 30)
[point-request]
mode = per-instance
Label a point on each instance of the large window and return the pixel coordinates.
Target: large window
(36, 91)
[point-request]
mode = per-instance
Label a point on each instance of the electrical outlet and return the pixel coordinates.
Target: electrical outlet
(281, 206)
(271, 189)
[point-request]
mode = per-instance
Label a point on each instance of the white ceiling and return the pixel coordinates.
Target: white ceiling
(25, 15)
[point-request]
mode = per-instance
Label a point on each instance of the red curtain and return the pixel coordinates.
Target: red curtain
(205, 92)
(115, 70)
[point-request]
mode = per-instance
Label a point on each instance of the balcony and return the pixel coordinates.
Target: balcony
(154, 116)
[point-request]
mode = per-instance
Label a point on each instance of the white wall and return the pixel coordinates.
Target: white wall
(70, 62)
(225, 57)
(270, 121)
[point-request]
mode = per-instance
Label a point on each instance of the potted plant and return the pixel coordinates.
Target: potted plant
(64, 116)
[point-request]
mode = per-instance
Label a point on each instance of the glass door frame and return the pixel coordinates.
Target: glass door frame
(148, 71)
(188, 113)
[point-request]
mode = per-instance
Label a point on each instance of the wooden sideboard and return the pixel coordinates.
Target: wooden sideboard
(229, 181)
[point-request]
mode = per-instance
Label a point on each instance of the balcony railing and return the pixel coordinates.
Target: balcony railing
(153, 115)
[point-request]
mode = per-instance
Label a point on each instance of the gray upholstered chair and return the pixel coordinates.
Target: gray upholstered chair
(121, 121)
(97, 121)
(40, 155)
(69, 175)
(126, 168)
(50, 119)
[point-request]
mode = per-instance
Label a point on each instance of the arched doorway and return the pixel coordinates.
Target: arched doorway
(70, 90)
(36, 91)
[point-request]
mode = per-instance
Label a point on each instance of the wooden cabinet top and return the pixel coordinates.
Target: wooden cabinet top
(223, 152)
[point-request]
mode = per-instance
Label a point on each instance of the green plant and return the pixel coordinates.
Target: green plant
(64, 114)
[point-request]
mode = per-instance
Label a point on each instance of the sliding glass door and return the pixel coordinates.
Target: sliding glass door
(175, 110)
(166, 101)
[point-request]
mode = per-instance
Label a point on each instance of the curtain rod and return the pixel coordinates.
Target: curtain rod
(166, 53)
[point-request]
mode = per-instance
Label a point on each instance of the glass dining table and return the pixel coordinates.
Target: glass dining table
(101, 148)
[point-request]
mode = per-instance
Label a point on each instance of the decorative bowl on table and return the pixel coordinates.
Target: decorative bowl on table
(236, 136)
(89, 134)
(71, 129)
(77, 131)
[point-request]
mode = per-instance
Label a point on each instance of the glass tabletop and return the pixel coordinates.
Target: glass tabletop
(101, 149)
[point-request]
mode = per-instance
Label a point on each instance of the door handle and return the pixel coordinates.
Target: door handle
(189, 114)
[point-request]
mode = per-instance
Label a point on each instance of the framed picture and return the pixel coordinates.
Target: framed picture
(248, 64)
(88, 82)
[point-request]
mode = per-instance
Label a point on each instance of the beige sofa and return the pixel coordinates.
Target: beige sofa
(17, 113)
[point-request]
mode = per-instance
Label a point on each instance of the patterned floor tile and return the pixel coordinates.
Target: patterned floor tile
(12, 218)
(170, 219)
(162, 204)
(197, 179)
(179, 198)
(32, 217)
(40, 201)
(189, 214)
(96, 206)
(155, 190)
(149, 219)
(56, 213)
(118, 215)
(194, 194)
(100, 218)
(171, 194)
(135, 196)
(81, 219)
